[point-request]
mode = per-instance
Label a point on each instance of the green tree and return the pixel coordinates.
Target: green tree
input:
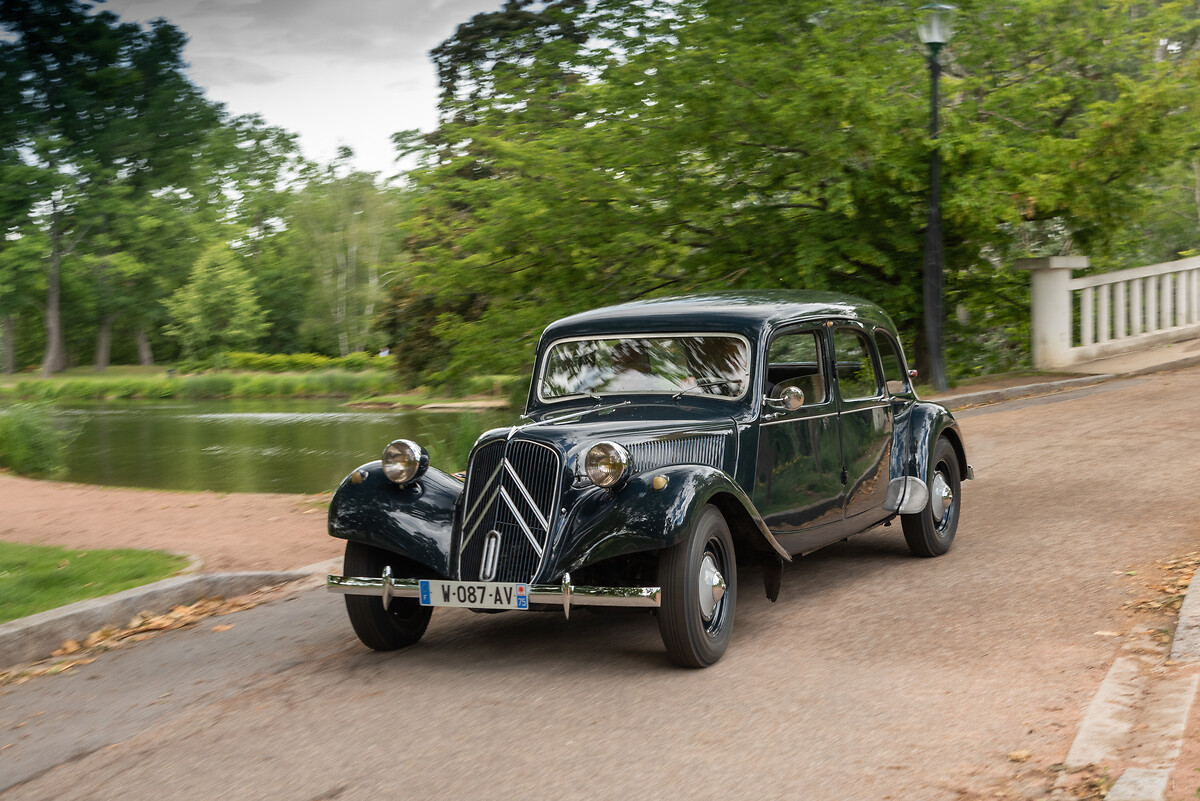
(98, 104)
(343, 235)
(21, 284)
(600, 152)
(217, 309)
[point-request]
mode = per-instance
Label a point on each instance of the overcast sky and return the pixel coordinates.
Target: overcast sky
(332, 71)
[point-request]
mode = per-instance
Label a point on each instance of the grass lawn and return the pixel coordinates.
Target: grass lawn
(34, 578)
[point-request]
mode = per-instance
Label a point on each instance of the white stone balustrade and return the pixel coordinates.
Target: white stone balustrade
(1118, 312)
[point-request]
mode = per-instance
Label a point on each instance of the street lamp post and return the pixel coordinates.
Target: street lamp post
(935, 29)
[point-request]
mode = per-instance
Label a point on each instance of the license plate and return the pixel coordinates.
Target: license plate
(474, 594)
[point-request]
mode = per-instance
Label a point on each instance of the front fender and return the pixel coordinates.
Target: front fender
(416, 520)
(636, 517)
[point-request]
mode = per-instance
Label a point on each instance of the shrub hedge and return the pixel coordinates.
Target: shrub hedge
(289, 362)
(323, 384)
(30, 442)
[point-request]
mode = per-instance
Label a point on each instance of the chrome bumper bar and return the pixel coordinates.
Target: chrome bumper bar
(565, 594)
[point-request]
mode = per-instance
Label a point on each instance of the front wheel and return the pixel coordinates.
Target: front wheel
(930, 532)
(698, 578)
(400, 625)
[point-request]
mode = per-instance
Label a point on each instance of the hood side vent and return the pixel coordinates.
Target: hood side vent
(706, 449)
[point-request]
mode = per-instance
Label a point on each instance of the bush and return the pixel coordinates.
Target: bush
(293, 362)
(158, 389)
(30, 442)
(207, 385)
(496, 385)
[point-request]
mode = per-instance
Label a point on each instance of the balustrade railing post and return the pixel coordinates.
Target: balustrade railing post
(1051, 300)
(1103, 317)
(1120, 301)
(1135, 307)
(1152, 285)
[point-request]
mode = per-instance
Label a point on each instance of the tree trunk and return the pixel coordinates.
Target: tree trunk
(8, 332)
(145, 355)
(104, 342)
(55, 358)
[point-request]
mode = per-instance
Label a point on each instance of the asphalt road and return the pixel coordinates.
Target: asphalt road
(876, 675)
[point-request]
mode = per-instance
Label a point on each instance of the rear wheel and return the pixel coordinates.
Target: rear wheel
(930, 532)
(699, 592)
(404, 620)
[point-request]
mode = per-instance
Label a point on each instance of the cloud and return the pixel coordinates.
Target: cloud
(350, 70)
(228, 70)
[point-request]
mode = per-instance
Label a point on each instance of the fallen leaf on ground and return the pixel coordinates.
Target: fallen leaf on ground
(225, 627)
(1019, 756)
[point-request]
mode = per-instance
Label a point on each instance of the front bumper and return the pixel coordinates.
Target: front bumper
(566, 594)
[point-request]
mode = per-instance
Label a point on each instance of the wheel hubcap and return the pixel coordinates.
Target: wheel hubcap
(941, 496)
(711, 585)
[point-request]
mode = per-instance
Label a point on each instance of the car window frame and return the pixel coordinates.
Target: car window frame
(860, 330)
(544, 364)
(894, 341)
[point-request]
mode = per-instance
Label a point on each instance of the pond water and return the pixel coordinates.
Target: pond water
(301, 446)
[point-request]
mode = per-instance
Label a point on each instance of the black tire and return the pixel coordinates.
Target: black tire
(400, 625)
(927, 533)
(693, 639)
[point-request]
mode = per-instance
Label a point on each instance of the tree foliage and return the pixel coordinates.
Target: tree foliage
(217, 309)
(604, 151)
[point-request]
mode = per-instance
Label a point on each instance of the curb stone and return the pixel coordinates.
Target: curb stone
(1139, 783)
(1185, 647)
(956, 402)
(34, 637)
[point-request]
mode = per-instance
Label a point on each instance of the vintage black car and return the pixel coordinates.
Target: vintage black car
(667, 444)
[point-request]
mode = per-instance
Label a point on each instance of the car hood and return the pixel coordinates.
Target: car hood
(656, 435)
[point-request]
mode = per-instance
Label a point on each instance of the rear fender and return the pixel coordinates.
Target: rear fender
(636, 517)
(916, 434)
(416, 520)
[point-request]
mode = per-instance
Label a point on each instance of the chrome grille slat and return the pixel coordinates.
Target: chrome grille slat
(512, 487)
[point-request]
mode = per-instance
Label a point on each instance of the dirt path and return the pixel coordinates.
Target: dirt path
(227, 532)
(876, 675)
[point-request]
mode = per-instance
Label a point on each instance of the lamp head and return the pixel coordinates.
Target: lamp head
(936, 25)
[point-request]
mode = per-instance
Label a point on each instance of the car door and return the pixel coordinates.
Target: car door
(865, 417)
(797, 481)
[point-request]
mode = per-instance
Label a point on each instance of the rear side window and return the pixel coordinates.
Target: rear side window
(893, 365)
(794, 360)
(855, 367)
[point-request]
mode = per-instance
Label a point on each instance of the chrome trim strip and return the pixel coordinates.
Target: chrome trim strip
(525, 494)
(564, 594)
(467, 538)
(512, 507)
(478, 501)
(797, 419)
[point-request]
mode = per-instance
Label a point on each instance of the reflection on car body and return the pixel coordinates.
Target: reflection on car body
(667, 442)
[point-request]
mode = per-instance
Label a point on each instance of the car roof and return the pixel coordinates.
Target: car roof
(746, 312)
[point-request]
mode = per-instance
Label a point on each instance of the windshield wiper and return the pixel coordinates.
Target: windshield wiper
(705, 383)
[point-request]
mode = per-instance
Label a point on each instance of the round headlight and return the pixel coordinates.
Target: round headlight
(607, 463)
(404, 460)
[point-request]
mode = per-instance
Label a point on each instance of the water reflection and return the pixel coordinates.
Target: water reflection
(298, 446)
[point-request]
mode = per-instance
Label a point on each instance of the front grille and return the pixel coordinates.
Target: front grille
(512, 488)
(692, 449)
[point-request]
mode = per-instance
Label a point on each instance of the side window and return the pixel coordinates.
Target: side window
(794, 360)
(855, 368)
(893, 364)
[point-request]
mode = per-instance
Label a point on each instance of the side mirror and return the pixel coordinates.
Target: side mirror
(791, 399)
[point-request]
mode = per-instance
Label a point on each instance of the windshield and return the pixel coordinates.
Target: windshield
(715, 365)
